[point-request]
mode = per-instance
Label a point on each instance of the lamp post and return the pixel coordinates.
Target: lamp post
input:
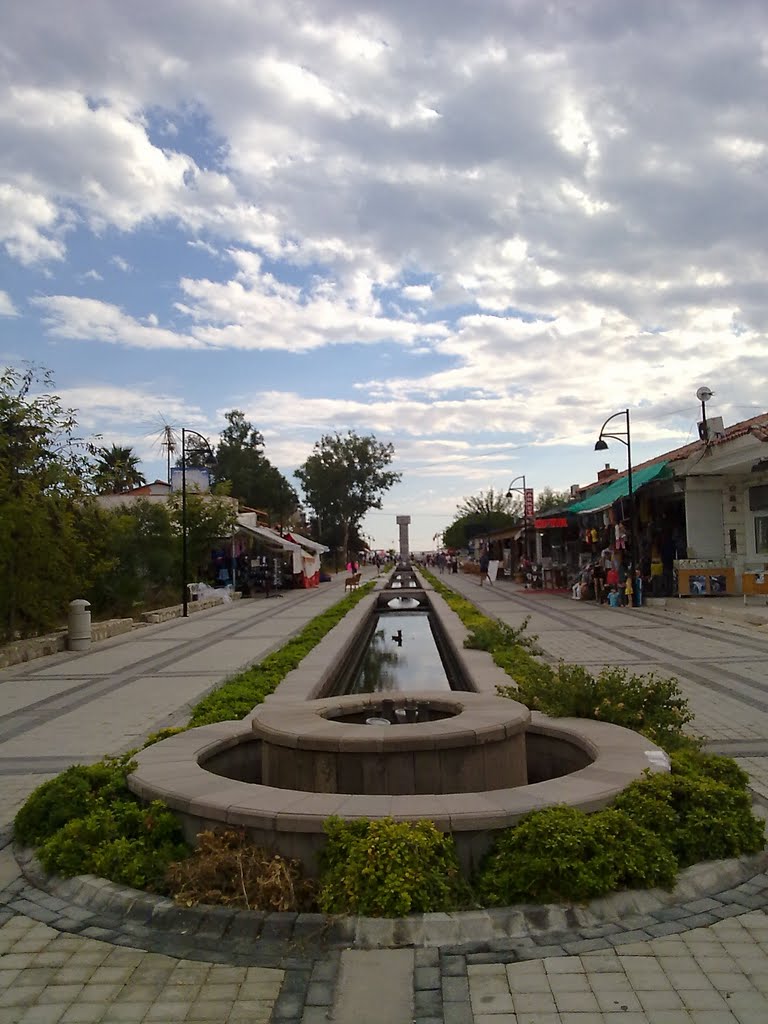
(521, 490)
(601, 446)
(184, 539)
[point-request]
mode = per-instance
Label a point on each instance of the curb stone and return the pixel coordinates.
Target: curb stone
(711, 887)
(307, 947)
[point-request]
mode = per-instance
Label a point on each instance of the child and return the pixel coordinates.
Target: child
(614, 598)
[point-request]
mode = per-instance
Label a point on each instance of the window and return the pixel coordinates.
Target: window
(758, 498)
(761, 534)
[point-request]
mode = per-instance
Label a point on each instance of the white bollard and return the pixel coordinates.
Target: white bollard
(79, 625)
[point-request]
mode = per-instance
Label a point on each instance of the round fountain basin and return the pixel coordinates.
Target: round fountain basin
(440, 743)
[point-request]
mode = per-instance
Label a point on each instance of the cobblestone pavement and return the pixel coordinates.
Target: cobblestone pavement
(47, 976)
(701, 961)
(715, 975)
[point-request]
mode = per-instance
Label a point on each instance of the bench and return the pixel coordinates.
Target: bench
(352, 582)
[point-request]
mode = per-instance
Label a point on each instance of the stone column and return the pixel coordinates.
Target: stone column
(403, 523)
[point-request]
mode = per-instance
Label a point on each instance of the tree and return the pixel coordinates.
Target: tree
(241, 468)
(490, 503)
(345, 477)
(43, 555)
(116, 470)
(481, 513)
(547, 499)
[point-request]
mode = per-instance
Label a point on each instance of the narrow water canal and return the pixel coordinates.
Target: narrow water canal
(402, 655)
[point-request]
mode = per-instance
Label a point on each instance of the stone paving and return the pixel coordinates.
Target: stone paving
(701, 960)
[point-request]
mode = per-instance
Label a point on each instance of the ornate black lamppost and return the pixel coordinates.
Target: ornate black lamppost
(521, 490)
(601, 446)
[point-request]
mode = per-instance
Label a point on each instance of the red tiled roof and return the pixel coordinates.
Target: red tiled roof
(756, 425)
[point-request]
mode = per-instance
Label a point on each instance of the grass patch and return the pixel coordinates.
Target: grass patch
(237, 696)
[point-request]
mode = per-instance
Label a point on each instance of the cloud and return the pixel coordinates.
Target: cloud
(29, 226)
(7, 307)
(67, 316)
(584, 196)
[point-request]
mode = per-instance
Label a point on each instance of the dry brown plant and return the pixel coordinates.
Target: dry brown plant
(227, 869)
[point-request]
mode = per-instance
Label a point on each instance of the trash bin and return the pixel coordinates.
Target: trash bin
(79, 625)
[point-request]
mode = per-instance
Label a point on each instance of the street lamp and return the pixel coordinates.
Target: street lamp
(521, 490)
(184, 539)
(601, 446)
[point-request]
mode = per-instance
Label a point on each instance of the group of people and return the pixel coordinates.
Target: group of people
(607, 583)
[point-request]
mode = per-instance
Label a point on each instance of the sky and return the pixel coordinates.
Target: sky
(472, 228)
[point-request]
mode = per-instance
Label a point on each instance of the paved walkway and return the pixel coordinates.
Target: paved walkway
(56, 966)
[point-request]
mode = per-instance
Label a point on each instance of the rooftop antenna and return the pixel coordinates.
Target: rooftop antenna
(166, 439)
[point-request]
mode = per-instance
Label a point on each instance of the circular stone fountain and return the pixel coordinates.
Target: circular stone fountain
(439, 743)
(469, 760)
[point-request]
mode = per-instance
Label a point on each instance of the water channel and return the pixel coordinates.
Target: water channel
(401, 655)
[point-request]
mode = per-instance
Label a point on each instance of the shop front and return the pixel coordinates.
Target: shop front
(633, 536)
(311, 552)
(268, 562)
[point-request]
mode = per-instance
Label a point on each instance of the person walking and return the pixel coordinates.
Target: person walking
(484, 563)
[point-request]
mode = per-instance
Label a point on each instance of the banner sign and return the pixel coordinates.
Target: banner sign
(528, 505)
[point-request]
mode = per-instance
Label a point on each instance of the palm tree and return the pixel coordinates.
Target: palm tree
(116, 470)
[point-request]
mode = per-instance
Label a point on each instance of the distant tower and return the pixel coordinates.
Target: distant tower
(404, 522)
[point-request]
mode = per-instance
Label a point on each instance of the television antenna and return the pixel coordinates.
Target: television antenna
(168, 441)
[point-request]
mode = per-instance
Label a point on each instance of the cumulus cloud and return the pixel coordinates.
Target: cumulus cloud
(560, 210)
(68, 316)
(7, 307)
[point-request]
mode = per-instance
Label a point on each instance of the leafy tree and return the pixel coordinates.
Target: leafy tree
(241, 468)
(116, 470)
(43, 556)
(345, 477)
(279, 497)
(209, 522)
(481, 513)
(137, 555)
(547, 499)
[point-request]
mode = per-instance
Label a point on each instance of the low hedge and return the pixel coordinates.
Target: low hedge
(87, 821)
(237, 696)
(388, 868)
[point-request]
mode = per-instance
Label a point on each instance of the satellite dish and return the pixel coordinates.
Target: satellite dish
(704, 394)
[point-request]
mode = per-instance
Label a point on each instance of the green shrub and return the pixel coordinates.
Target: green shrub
(493, 635)
(239, 695)
(71, 795)
(387, 868)
(164, 734)
(123, 841)
(650, 704)
(697, 816)
(564, 854)
(712, 766)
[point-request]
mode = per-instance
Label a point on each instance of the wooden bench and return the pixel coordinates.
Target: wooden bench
(352, 582)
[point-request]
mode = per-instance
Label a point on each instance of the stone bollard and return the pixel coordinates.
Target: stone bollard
(79, 625)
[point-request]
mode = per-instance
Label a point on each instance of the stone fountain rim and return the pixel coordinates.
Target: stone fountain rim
(172, 771)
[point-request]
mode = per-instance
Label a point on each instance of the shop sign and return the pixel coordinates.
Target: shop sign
(552, 523)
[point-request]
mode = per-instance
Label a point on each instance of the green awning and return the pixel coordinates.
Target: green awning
(616, 489)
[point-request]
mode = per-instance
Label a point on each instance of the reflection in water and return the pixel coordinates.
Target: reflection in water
(402, 655)
(399, 603)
